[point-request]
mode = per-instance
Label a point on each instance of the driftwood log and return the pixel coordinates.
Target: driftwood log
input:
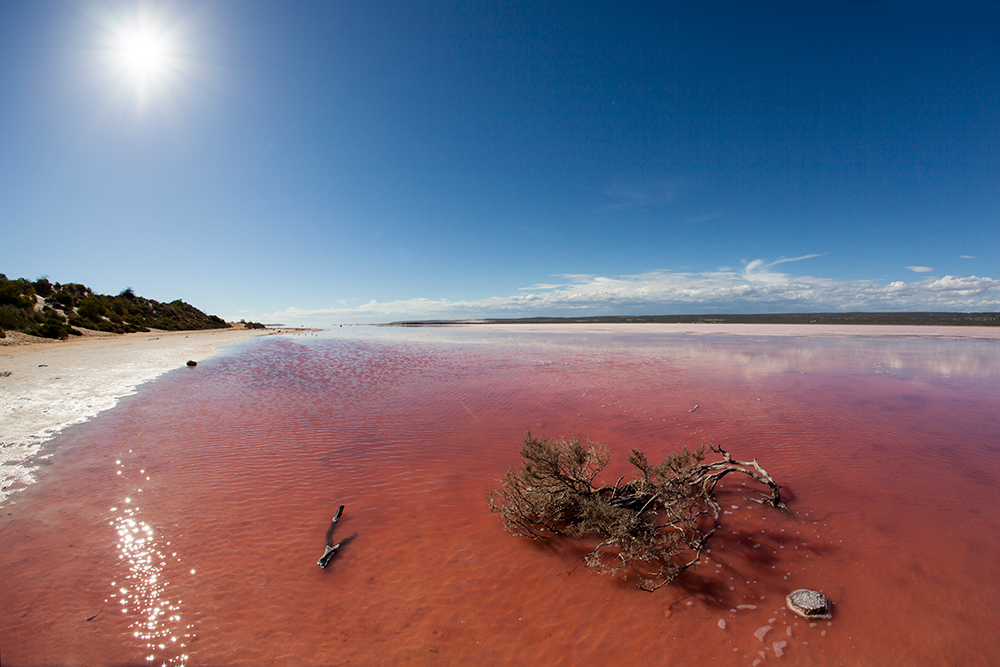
(656, 525)
(331, 548)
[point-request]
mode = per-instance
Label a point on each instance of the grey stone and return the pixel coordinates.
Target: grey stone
(809, 604)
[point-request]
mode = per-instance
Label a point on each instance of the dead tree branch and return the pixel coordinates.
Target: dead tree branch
(331, 548)
(656, 525)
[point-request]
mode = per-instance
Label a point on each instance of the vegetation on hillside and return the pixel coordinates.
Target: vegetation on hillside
(55, 310)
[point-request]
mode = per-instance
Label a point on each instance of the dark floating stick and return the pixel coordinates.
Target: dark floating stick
(331, 549)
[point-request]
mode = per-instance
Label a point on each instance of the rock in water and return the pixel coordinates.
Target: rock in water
(192, 363)
(809, 604)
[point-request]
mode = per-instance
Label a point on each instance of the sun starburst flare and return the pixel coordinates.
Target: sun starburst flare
(145, 55)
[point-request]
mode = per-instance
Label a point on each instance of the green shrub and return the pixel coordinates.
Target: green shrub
(43, 287)
(64, 299)
(17, 293)
(91, 308)
(13, 318)
(53, 328)
(49, 311)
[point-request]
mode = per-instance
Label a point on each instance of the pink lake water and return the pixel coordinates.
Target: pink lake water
(185, 524)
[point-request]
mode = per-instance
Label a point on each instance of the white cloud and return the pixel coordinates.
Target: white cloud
(968, 257)
(796, 259)
(542, 286)
(919, 269)
(758, 270)
(755, 289)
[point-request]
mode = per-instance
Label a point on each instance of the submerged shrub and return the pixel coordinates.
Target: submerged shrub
(655, 525)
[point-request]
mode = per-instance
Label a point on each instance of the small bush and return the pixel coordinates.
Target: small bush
(64, 299)
(17, 293)
(53, 328)
(13, 318)
(43, 287)
(655, 525)
(91, 308)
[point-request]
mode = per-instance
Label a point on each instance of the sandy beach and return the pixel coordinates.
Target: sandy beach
(47, 385)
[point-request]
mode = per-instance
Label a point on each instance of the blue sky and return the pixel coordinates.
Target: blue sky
(324, 162)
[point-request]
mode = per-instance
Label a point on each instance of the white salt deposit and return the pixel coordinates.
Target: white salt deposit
(760, 632)
(57, 384)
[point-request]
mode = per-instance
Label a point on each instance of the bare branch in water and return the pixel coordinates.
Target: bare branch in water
(331, 548)
(657, 525)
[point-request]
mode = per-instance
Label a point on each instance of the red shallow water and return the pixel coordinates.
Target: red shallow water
(189, 518)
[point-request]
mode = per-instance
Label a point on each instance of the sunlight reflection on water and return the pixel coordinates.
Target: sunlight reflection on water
(141, 588)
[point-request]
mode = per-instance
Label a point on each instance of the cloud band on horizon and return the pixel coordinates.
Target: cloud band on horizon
(756, 289)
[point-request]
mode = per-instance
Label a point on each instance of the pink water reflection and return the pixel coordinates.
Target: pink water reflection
(890, 450)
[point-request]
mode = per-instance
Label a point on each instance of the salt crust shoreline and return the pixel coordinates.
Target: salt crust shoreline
(46, 386)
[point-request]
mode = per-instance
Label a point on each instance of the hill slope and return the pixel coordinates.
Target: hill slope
(42, 308)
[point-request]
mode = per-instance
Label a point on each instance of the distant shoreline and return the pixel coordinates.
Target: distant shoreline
(985, 319)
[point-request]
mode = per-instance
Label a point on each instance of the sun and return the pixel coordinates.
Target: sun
(144, 54)
(144, 57)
